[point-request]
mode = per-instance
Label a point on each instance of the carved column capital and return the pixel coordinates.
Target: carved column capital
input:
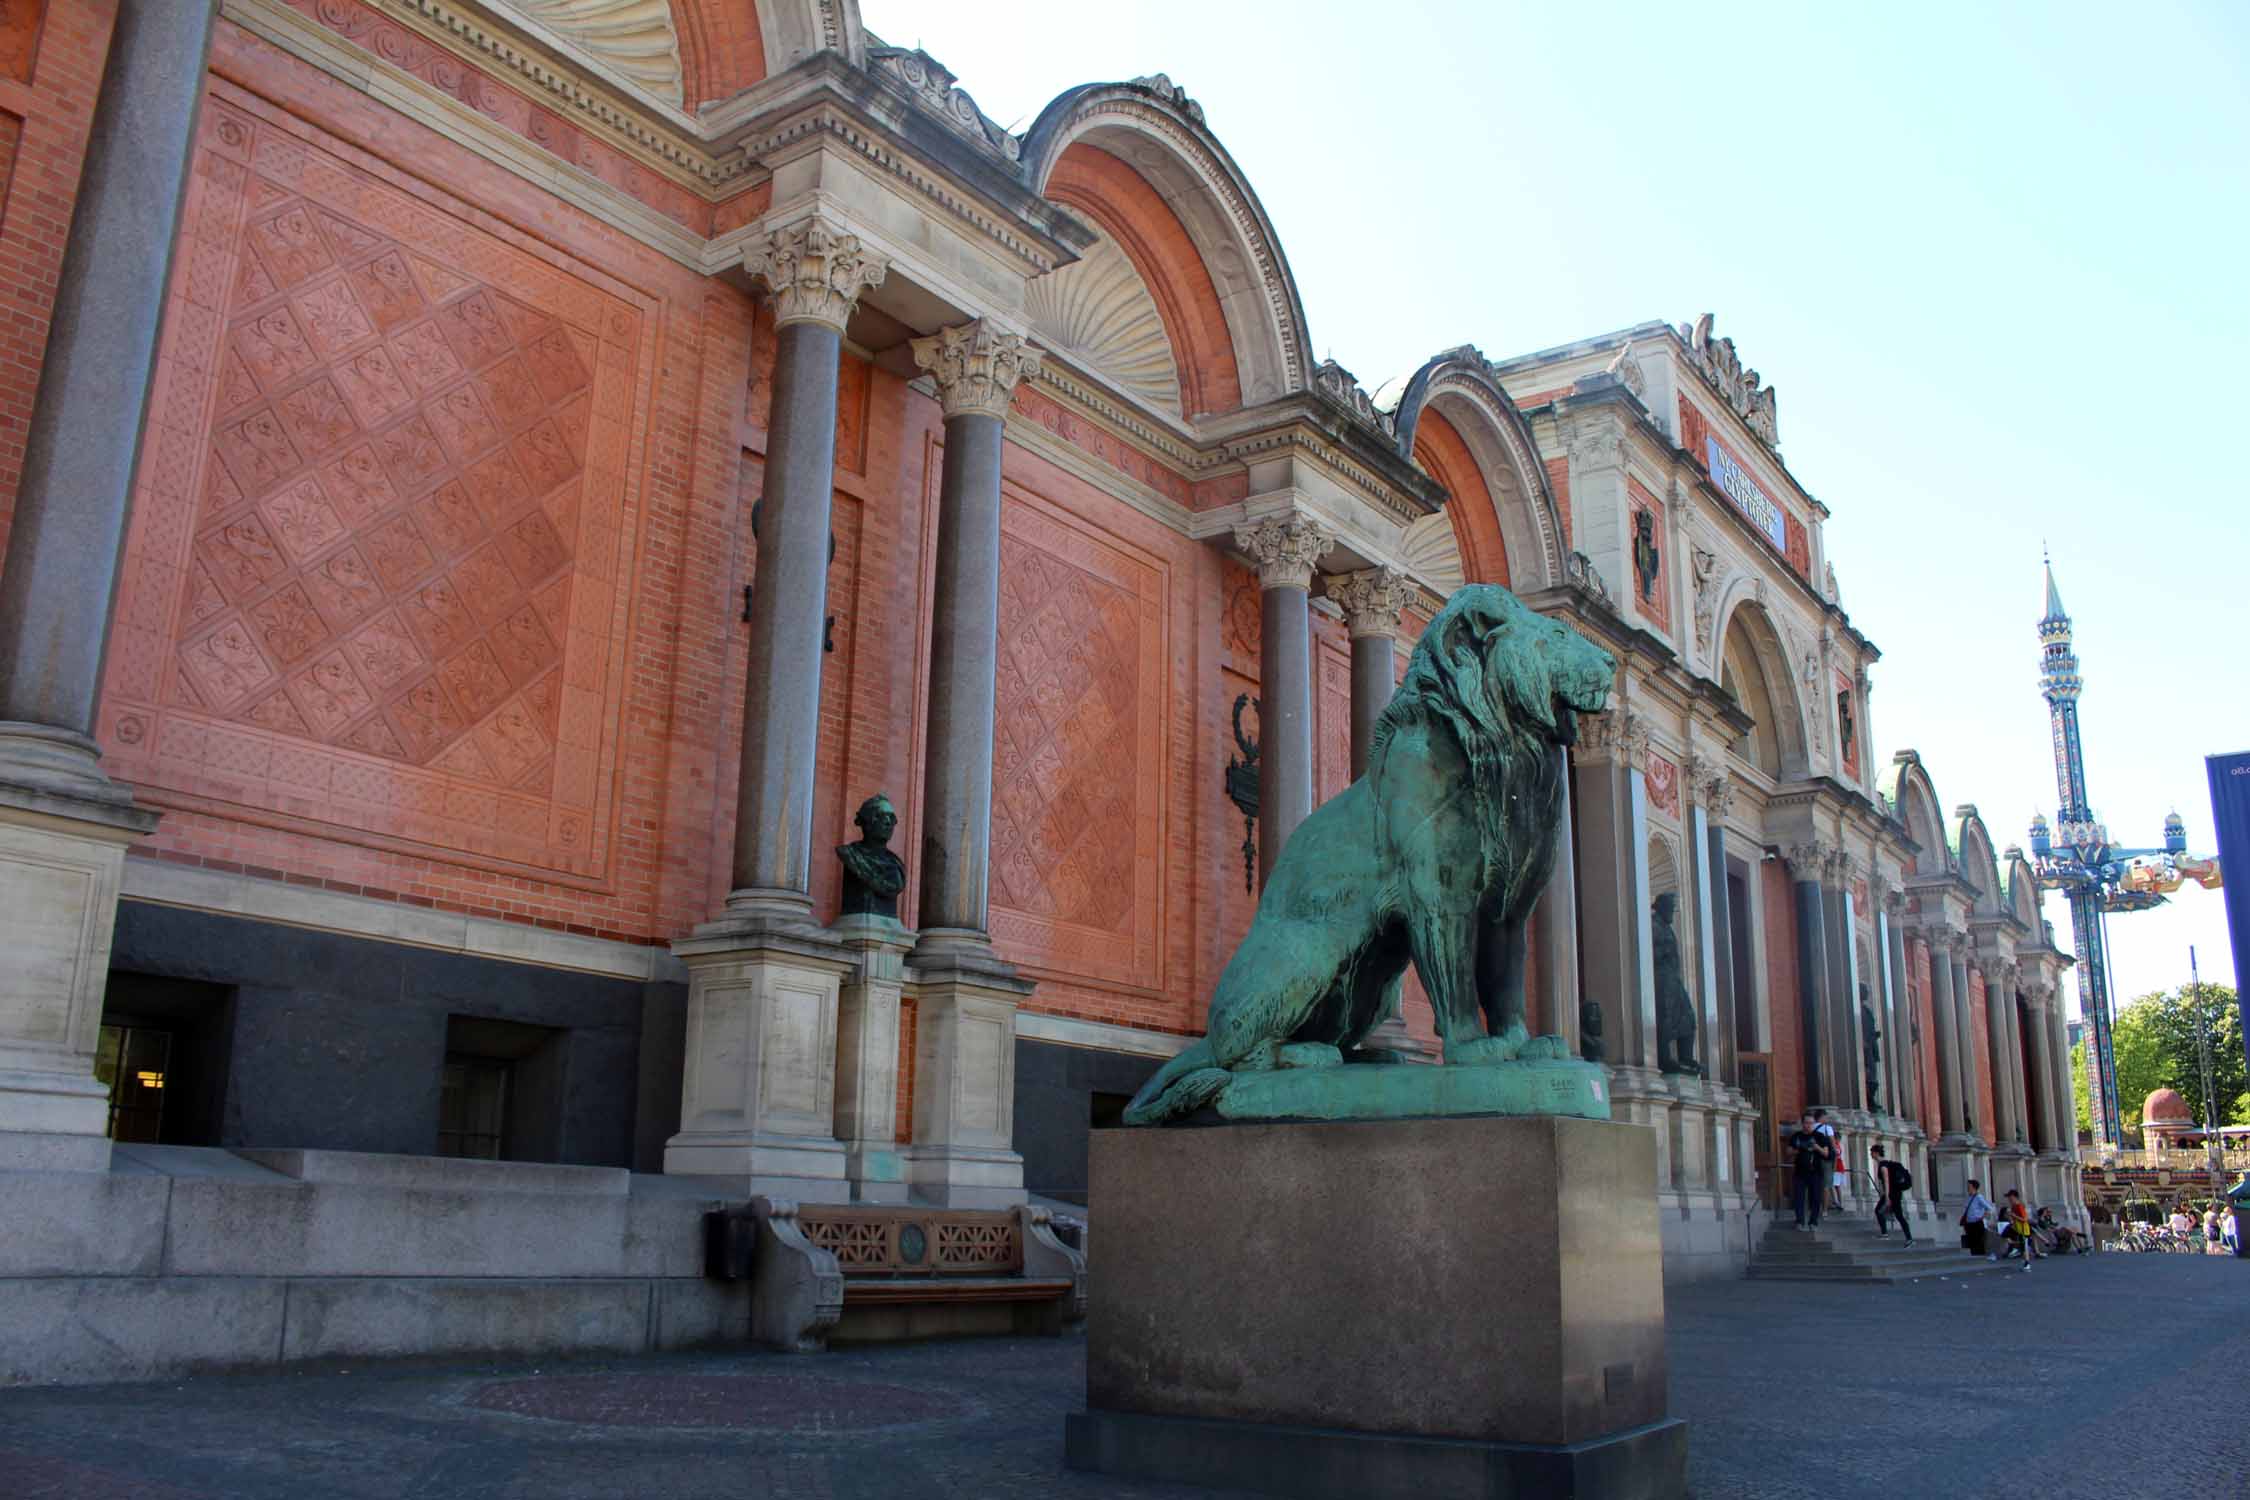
(815, 271)
(1894, 902)
(1808, 860)
(976, 367)
(1286, 548)
(1841, 866)
(1372, 600)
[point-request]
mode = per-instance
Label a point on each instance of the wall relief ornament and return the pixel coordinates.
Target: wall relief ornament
(1704, 567)
(815, 272)
(932, 84)
(634, 39)
(1716, 360)
(1099, 311)
(1286, 549)
(976, 367)
(1372, 600)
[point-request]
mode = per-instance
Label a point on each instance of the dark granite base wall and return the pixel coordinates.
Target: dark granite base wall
(338, 1042)
(1057, 1092)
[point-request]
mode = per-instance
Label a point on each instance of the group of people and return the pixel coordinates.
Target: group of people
(2022, 1233)
(1817, 1156)
(2221, 1235)
(1820, 1170)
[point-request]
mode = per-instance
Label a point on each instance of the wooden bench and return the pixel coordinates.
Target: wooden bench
(865, 1273)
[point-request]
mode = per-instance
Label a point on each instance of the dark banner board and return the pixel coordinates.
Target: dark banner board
(2230, 813)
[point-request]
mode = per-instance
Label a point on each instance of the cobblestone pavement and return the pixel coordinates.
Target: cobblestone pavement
(2049, 1383)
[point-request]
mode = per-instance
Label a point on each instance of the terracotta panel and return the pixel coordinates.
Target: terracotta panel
(361, 583)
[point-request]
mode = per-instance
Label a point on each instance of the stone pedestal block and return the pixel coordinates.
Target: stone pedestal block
(963, 1153)
(1425, 1308)
(61, 857)
(758, 1092)
(867, 1056)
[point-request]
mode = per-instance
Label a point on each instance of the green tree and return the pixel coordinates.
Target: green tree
(2155, 1043)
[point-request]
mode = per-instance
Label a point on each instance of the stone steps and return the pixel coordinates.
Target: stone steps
(1851, 1252)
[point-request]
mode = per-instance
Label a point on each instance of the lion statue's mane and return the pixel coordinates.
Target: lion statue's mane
(1437, 855)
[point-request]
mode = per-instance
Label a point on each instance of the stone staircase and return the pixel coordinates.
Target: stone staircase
(1846, 1250)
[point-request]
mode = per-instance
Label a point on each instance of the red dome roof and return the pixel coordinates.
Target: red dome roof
(2166, 1105)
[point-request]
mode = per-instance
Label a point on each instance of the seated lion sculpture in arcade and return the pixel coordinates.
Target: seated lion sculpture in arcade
(1437, 854)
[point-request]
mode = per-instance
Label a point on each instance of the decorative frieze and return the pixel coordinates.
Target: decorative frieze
(1372, 600)
(1716, 360)
(1286, 549)
(815, 271)
(976, 367)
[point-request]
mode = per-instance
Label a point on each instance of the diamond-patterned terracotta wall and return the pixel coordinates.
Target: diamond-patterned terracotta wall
(375, 574)
(1077, 745)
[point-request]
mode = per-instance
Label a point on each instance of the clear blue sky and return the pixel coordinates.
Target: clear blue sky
(1993, 258)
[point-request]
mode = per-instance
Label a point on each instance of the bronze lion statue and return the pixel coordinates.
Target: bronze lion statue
(1437, 854)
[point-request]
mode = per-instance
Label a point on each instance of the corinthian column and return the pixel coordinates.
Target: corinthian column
(1808, 863)
(976, 368)
(1286, 548)
(64, 825)
(758, 1092)
(1945, 1007)
(816, 273)
(1372, 601)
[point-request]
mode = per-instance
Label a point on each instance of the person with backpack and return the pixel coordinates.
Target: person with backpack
(1891, 1182)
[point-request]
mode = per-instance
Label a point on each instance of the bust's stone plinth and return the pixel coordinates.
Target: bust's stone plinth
(1429, 1308)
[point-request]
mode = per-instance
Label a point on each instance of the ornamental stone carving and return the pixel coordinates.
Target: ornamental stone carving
(931, 83)
(815, 272)
(1704, 565)
(1371, 600)
(1619, 735)
(1579, 569)
(1716, 360)
(1627, 370)
(1808, 860)
(976, 367)
(1344, 387)
(1171, 93)
(1286, 549)
(1894, 902)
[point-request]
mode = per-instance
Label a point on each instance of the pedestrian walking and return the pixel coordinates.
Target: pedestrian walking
(2211, 1230)
(1811, 1157)
(1891, 1182)
(2018, 1228)
(1973, 1215)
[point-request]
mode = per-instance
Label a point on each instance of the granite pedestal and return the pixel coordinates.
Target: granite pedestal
(1434, 1308)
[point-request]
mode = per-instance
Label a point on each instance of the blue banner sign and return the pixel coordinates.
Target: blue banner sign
(2230, 813)
(1744, 492)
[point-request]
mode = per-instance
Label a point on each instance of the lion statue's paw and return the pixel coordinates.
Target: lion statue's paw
(1185, 1095)
(1483, 1051)
(1308, 1055)
(1543, 1049)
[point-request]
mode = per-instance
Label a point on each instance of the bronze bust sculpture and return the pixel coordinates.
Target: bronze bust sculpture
(873, 876)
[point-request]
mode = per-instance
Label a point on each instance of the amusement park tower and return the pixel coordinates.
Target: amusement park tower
(2077, 858)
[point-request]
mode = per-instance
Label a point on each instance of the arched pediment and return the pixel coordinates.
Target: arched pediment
(1907, 787)
(1156, 131)
(1458, 387)
(1972, 847)
(2023, 890)
(1755, 668)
